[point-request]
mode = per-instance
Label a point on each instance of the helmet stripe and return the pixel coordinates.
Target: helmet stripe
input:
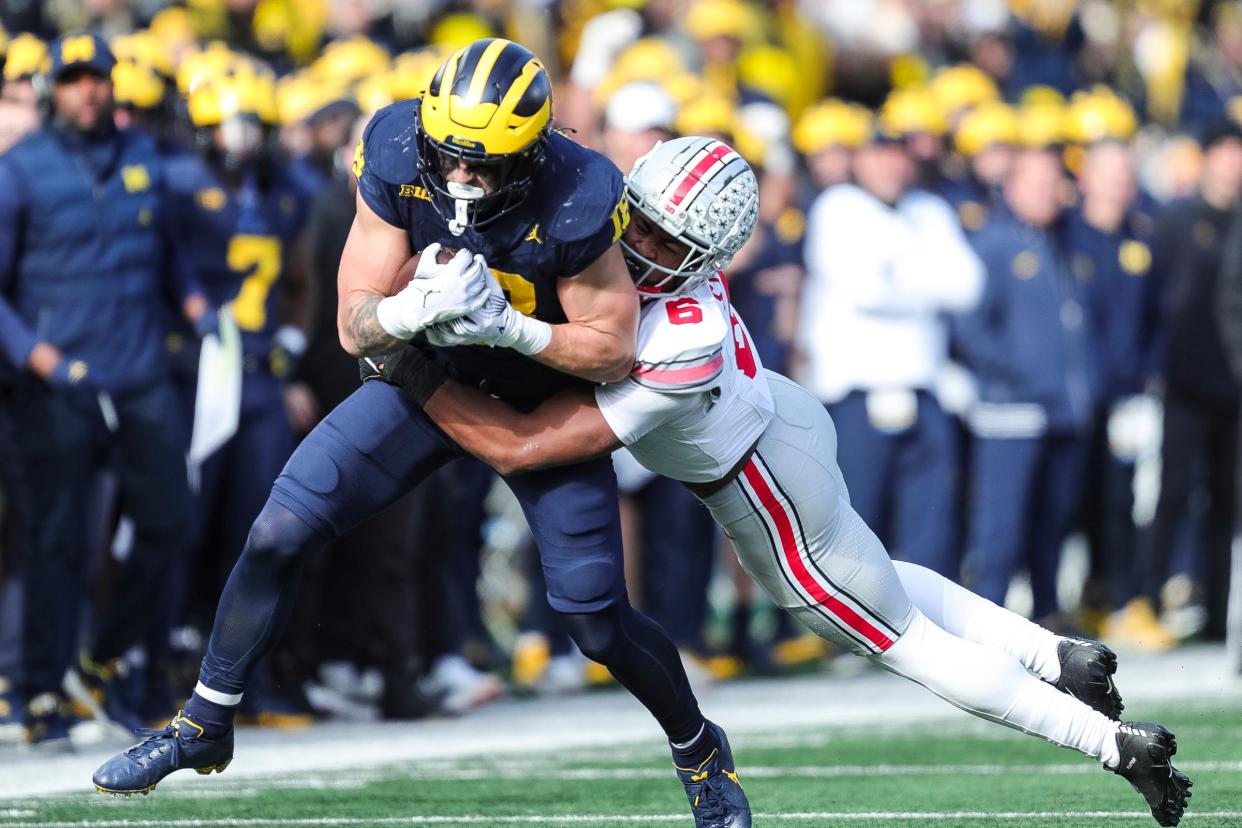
(483, 71)
(534, 96)
(506, 72)
(698, 172)
(463, 73)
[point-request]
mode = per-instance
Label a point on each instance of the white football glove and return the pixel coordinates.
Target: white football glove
(495, 324)
(438, 292)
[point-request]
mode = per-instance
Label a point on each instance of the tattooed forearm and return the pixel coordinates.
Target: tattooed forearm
(361, 325)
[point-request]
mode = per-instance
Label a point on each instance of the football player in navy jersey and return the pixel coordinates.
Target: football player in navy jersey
(237, 215)
(474, 165)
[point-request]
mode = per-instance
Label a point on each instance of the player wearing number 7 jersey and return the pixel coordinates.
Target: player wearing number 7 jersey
(237, 214)
(759, 452)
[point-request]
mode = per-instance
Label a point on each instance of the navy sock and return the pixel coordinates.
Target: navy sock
(695, 752)
(215, 719)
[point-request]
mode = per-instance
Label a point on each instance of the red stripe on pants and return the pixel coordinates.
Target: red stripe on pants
(789, 547)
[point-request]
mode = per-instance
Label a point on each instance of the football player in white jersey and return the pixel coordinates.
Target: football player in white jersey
(760, 452)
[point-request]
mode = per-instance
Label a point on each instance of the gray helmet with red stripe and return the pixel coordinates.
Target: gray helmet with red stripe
(701, 192)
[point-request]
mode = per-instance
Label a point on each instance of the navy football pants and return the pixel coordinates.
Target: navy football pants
(63, 443)
(235, 481)
(678, 549)
(369, 451)
(1024, 498)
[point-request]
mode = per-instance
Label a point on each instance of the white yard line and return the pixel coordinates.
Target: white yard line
(790, 712)
(612, 819)
(353, 780)
(762, 772)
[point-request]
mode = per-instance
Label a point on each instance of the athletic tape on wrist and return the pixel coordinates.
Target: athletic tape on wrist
(533, 336)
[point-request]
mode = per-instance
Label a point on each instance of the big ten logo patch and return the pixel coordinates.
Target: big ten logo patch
(414, 191)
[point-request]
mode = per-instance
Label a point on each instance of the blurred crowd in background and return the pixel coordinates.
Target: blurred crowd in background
(1000, 240)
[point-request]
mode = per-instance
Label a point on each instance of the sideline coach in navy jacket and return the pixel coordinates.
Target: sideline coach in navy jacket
(86, 274)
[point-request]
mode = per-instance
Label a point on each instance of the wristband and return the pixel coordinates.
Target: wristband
(529, 336)
(417, 376)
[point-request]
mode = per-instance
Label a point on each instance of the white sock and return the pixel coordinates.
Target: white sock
(216, 697)
(964, 614)
(991, 684)
(693, 739)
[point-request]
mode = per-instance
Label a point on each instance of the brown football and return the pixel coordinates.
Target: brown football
(406, 273)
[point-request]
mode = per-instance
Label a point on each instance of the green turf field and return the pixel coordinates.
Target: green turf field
(962, 773)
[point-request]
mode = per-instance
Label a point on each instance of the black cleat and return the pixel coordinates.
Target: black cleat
(1087, 669)
(179, 745)
(715, 793)
(1146, 763)
(98, 691)
(47, 721)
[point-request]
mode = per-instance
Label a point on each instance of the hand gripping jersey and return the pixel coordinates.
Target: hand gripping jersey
(698, 397)
(574, 212)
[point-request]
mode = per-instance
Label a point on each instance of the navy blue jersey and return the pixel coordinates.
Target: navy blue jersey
(1034, 337)
(974, 202)
(238, 239)
(1115, 267)
(574, 212)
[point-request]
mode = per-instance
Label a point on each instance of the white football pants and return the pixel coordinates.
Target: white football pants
(792, 526)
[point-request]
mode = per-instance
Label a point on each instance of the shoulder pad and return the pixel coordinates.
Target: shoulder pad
(389, 149)
(681, 356)
(584, 190)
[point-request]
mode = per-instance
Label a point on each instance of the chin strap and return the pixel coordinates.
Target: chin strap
(457, 225)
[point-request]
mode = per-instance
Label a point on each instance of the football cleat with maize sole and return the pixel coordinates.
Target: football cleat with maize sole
(178, 746)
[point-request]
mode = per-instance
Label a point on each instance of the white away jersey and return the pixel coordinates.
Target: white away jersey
(697, 398)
